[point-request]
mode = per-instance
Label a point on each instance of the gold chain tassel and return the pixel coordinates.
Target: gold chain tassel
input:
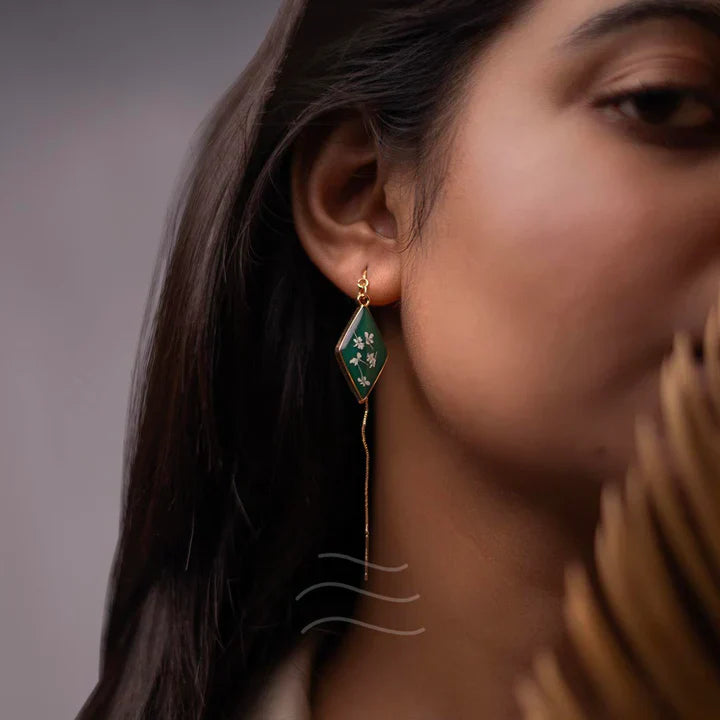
(367, 479)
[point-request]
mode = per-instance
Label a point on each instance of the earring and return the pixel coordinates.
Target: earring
(361, 354)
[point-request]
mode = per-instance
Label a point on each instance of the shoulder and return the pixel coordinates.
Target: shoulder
(286, 696)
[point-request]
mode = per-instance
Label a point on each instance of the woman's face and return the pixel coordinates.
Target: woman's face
(571, 240)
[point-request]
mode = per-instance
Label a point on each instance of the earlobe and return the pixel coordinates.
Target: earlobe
(340, 211)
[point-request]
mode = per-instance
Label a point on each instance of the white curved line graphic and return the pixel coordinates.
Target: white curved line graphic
(360, 590)
(363, 624)
(362, 562)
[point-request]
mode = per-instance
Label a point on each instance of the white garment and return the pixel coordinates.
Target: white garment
(287, 693)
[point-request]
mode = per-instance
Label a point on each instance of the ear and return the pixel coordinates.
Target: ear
(341, 209)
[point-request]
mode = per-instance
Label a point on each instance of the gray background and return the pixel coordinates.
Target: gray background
(99, 102)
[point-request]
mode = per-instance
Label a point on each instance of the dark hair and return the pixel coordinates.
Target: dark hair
(243, 459)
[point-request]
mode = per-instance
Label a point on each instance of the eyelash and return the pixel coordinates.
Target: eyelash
(672, 137)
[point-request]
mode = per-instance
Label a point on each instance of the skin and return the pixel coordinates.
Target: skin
(525, 332)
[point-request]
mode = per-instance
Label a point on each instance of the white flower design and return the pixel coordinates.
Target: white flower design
(366, 342)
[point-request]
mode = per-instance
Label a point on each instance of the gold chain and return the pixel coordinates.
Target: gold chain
(367, 477)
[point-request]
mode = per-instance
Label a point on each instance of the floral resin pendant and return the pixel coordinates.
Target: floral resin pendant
(361, 353)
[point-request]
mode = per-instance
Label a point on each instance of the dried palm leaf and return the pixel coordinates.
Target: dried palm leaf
(646, 631)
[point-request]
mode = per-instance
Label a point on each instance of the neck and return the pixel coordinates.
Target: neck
(485, 554)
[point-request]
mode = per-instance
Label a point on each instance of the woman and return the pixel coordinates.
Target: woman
(530, 190)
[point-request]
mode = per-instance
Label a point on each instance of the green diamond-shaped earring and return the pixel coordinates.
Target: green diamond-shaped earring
(361, 354)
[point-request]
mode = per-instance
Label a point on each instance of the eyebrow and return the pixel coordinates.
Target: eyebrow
(705, 13)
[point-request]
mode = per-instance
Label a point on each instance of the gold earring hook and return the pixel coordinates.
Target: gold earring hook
(362, 296)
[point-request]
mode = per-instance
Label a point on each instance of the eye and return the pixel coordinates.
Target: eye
(665, 110)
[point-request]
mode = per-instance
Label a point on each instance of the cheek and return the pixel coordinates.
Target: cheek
(538, 309)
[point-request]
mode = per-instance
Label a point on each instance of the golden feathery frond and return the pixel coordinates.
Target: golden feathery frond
(647, 633)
